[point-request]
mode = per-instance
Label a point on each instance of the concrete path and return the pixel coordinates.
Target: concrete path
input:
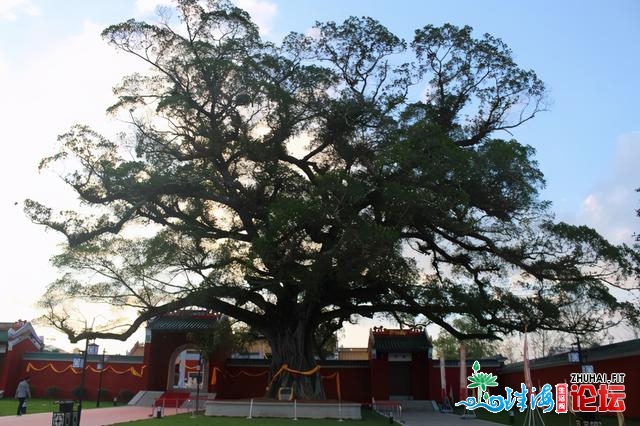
(93, 417)
(431, 418)
(113, 415)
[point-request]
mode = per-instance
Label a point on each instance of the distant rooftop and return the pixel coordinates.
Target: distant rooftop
(612, 351)
(17, 331)
(400, 341)
(184, 320)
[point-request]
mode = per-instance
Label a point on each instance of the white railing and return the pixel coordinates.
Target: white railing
(391, 409)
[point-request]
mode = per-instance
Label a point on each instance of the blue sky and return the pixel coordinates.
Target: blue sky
(55, 71)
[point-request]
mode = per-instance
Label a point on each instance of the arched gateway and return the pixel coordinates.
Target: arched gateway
(186, 364)
(176, 353)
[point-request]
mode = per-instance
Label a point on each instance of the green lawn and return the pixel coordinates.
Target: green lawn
(368, 419)
(550, 419)
(8, 406)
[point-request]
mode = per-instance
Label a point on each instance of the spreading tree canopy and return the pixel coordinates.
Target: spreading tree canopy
(294, 186)
(447, 346)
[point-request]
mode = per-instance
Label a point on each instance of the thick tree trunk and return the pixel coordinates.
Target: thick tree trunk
(292, 345)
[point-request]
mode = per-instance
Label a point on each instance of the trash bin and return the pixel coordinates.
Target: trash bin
(65, 406)
(66, 415)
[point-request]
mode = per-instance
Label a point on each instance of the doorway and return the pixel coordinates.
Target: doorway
(188, 370)
(400, 380)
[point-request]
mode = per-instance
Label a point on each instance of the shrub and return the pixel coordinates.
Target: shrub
(79, 392)
(104, 394)
(125, 396)
(52, 392)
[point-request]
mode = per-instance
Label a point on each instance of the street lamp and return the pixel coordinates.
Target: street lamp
(578, 357)
(101, 368)
(198, 381)
(82, 377)
(93, 348)
(583, 417)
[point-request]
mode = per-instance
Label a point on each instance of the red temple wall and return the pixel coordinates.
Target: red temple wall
(251, 381)
(379, 371)
(162, 347)
(13, 375)
(116, 378)
(420, 367)
(562, 374)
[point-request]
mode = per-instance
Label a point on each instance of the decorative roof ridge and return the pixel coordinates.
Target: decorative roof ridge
(413, 331)
(611, 351)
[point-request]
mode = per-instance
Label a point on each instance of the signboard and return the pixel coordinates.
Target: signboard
(399, 357)
(92, 349)
(587, 368)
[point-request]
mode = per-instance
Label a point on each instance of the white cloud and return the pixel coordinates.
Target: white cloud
(611, 206)
(313, 32)
(10, 9)
(43, 94)
(262, 12)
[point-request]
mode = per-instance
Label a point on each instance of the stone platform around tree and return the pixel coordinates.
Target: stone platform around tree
(284, 409)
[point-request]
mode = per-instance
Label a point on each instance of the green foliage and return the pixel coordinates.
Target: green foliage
(52, 392)
(124, 396)
(549, 419)
(34, 405)
(220, 338)
(449, 346)
(295, 186)
(104, 395)
(79, 392)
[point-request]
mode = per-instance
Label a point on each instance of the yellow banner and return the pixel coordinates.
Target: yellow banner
(216, 370)
(130, 370)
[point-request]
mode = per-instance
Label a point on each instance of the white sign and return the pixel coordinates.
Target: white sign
(399, 357)
(587, 368)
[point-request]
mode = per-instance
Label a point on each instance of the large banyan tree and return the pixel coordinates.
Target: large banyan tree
(298, 185)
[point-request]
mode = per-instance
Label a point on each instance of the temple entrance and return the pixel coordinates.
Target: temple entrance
(400, 380)
(173, 350)
(188, 370)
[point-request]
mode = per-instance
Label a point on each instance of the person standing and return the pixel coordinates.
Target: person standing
(23, 392)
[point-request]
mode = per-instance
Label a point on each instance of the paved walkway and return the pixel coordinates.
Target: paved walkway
(90, 417)
(113, 415)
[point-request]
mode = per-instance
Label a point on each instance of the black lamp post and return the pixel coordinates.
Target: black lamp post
(198, 382)
(101, 368)
(583, 417)
(82, 377)
(580, 360)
